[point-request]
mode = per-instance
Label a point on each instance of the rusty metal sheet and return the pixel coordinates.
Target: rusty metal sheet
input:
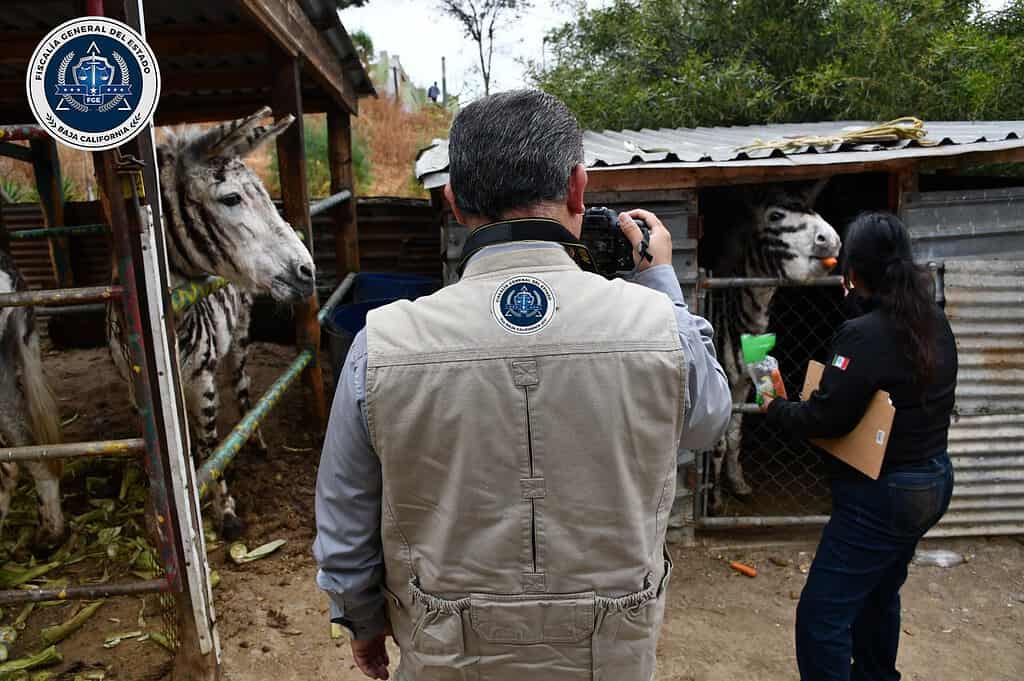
(976, 222)
(985, 306)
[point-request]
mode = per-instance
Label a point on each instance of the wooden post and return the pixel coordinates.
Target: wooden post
(339, 160)
(291, 167)
(46, 164)
(901, 182)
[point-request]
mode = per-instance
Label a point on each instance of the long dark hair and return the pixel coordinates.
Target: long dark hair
(877, 250)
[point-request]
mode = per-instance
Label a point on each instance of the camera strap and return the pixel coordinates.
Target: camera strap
(526, 229)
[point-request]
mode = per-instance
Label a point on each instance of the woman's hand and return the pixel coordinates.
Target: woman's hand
(766, 401)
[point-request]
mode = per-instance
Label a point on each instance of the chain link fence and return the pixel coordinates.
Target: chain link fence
(787, 475)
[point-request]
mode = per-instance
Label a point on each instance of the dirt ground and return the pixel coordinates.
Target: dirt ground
(960, 624)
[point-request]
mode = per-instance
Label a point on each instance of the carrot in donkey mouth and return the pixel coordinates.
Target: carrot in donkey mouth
(830, 263)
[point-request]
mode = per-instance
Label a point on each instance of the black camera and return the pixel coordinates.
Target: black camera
(611, 251)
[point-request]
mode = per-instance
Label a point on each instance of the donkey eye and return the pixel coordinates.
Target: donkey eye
(775, 215)
(231, 199)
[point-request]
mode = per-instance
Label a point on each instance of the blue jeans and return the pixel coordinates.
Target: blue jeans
(850, 607)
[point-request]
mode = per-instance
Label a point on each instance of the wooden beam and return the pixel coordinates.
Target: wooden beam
(291, 168)
(15, 151)
(292, 30)
(652, 177)
(205, 40)
(199, 40)
(46, 165)
(339, 160)
(241, 78)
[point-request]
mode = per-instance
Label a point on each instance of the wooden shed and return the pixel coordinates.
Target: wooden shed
(960, 190)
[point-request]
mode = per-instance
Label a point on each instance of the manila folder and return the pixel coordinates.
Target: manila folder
(864, 446)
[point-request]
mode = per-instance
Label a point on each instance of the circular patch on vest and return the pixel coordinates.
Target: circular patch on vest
(523, 305)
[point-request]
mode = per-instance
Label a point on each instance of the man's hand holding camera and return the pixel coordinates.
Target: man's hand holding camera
(660, 247)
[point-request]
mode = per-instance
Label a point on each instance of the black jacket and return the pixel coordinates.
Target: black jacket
(867, 356)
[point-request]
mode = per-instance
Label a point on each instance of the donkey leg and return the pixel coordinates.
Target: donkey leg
(203, 405)
(733, 468)
(14, 430)
(47, 478)
(237, 358)
(8, 483)
(717, 458)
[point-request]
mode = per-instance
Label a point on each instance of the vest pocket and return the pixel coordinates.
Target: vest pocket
(530, 619)
(437, 647)
(626, 632)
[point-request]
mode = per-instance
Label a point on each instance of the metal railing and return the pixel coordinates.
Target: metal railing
(221, 457)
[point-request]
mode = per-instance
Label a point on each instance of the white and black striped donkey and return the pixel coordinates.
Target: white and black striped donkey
(28, 411)
(781, 236)
(220, 220)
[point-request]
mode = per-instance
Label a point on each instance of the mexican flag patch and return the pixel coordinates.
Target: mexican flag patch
(840, 362)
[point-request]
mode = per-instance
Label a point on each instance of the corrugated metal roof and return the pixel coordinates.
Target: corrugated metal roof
(985, 306)
(720, 146)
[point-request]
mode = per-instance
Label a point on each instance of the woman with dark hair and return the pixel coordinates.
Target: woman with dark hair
(902, 344)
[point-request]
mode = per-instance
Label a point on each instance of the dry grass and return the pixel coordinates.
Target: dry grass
(393, 138)
(388, 136)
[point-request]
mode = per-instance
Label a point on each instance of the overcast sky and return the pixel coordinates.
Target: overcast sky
(420, 35)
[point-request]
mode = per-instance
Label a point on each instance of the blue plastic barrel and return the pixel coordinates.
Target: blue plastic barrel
(369, 291)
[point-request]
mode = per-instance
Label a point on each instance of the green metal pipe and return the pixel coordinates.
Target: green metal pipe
(214, 466)
(336, 297)
(49, 232)
(61, 296)
(69, 450)
(187, 295)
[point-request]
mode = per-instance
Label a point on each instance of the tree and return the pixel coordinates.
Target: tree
(479, 20)
(364, 46)
(671, 63)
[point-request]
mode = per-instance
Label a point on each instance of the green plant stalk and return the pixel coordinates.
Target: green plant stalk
(11, 577)
(59, 632)
(43, 658)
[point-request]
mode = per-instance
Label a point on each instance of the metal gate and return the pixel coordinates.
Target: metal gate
(788, 475)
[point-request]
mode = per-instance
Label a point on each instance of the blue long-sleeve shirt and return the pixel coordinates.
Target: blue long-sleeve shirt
(348, 492)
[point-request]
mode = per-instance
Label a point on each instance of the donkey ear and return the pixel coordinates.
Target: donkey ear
(240, 137)
(813, 191)
(219, 139)
(262, 135)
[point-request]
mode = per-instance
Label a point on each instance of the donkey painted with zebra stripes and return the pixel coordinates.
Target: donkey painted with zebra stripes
(220, 220)
(28, 411)
(780, 236)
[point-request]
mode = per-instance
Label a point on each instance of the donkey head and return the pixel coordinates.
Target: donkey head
(221, 219)
(790, 240)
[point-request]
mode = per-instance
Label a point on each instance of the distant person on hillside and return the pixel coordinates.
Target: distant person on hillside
(433, 92)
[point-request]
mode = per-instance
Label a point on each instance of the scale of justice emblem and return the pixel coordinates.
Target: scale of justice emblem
(523, 305)
(94, 87)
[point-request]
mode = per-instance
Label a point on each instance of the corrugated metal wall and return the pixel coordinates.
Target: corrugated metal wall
(985, 306)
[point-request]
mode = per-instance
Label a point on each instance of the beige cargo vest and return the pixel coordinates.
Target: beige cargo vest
(527, 479)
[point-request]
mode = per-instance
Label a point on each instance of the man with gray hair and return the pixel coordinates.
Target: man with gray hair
(500, 462)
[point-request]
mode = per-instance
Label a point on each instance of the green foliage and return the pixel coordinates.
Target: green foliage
(25, 192)
(654, 63)
(364, 46)
(318, 172)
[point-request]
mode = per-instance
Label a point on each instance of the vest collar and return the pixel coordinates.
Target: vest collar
(518, 230)
(531, 256)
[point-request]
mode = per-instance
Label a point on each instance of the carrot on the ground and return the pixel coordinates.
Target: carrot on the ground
(743, 568)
